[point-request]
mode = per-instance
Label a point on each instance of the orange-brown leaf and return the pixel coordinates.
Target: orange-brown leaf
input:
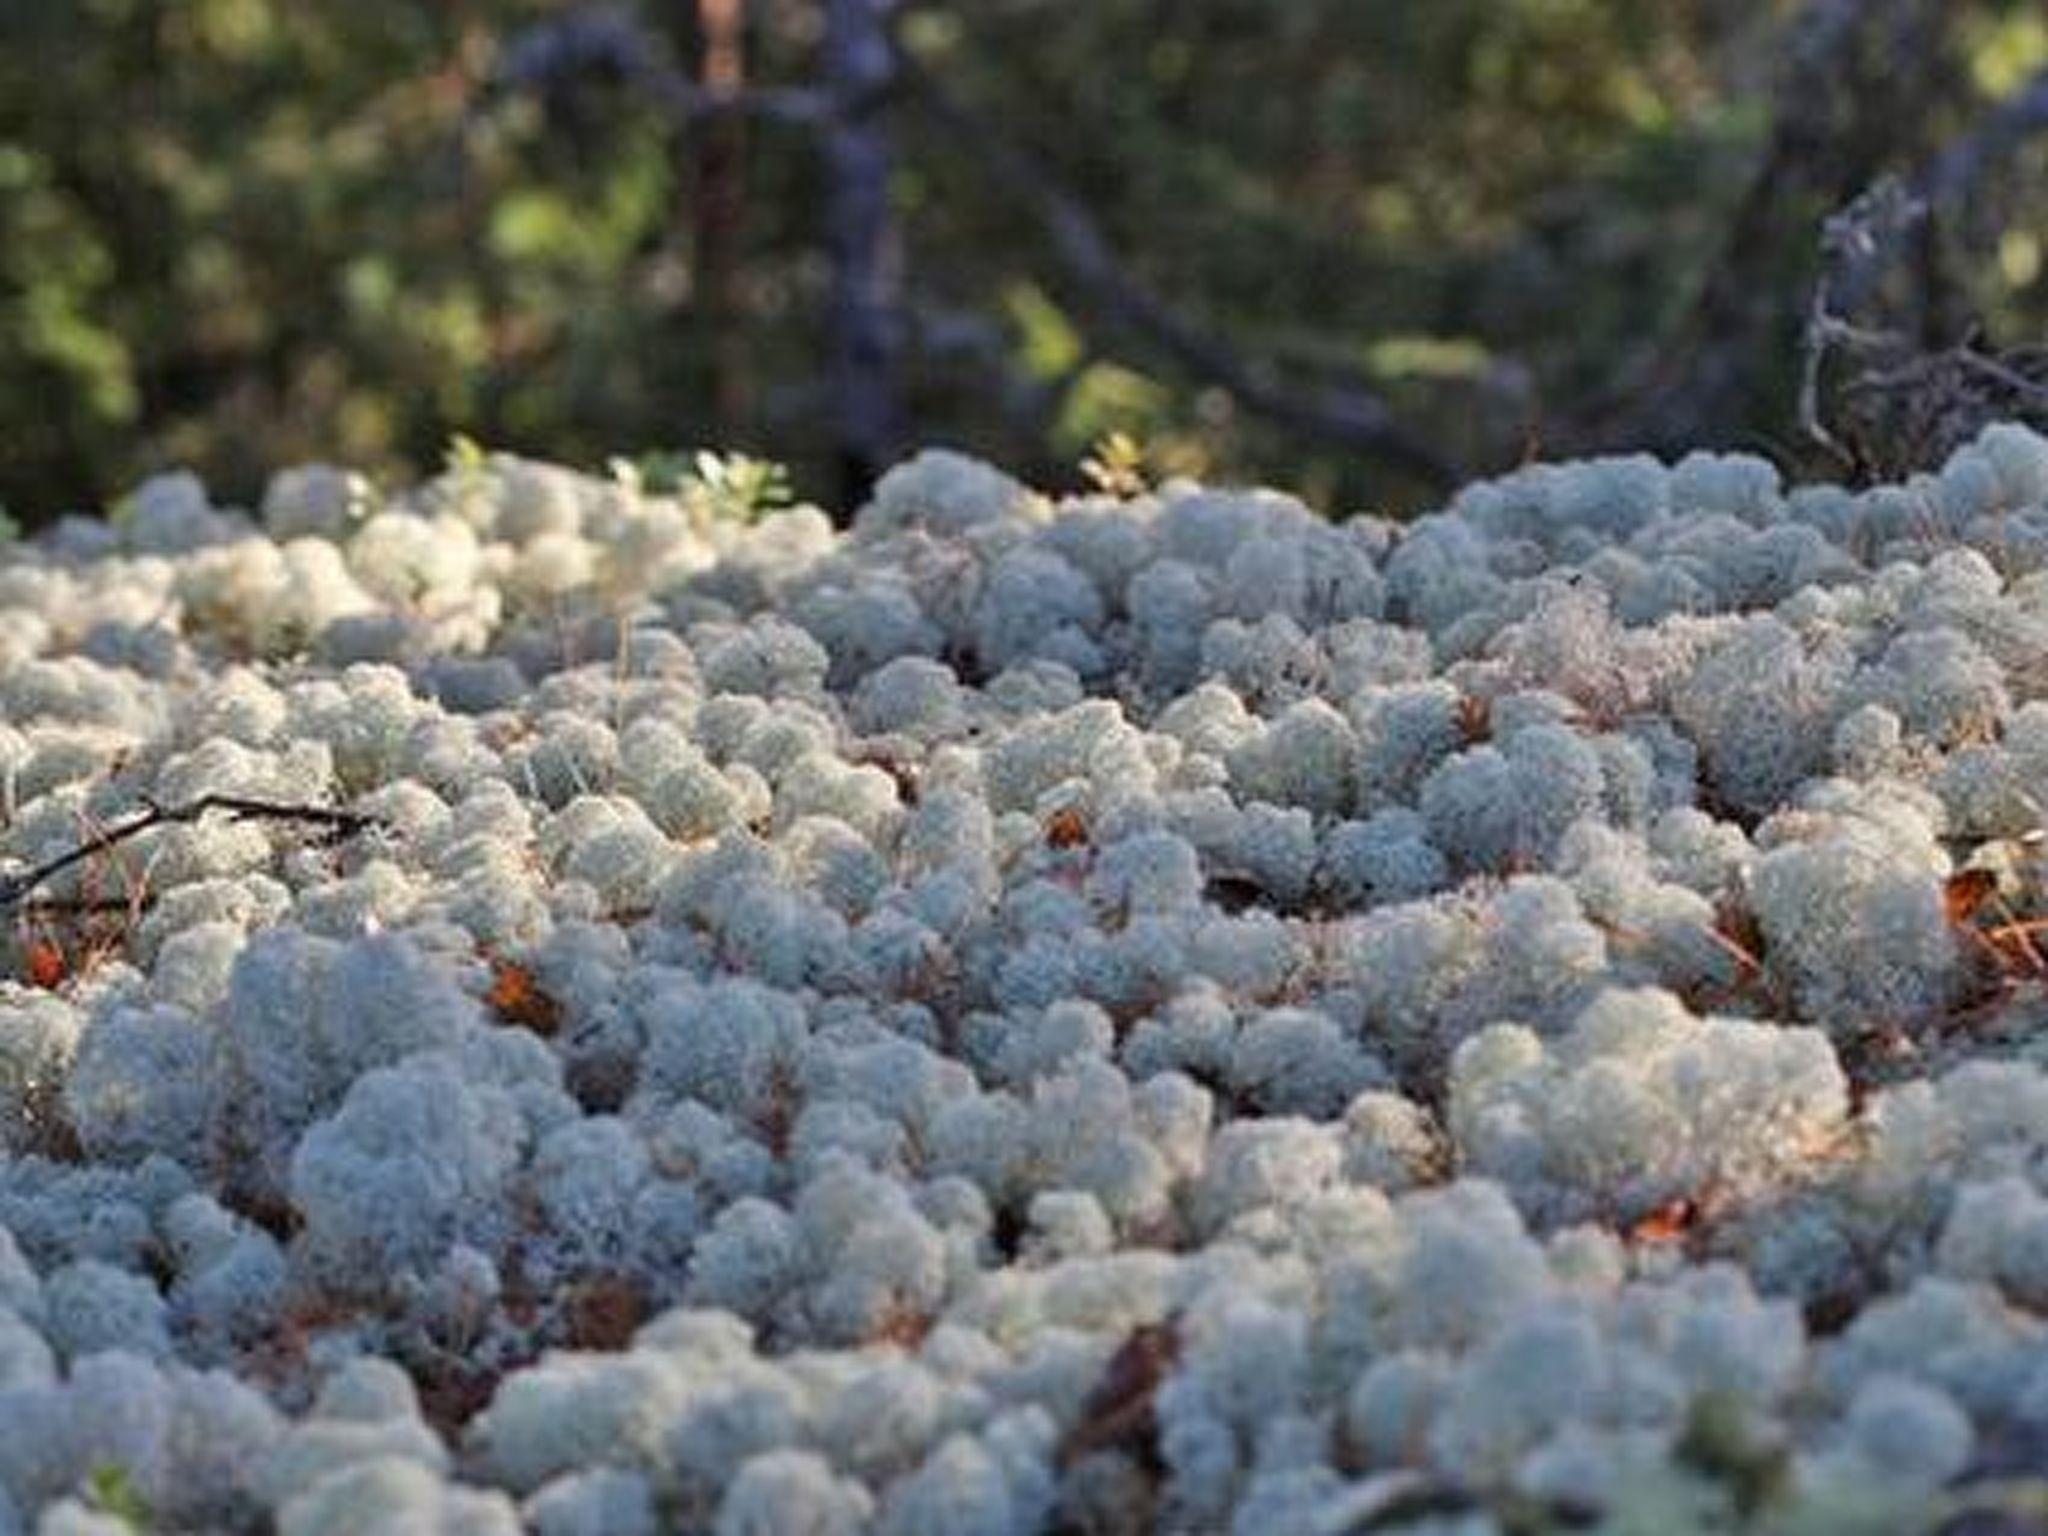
(516, 998)
(44, 965)
(1738, 933)
(1668, 1223)
(453, 1391)
(1066, 828)
(1965, 892)
(1475, 718)
(904, 1327)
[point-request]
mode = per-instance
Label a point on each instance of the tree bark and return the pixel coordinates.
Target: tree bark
(720, 211)
(866, 367)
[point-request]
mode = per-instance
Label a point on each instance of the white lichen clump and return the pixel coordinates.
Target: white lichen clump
(1107, 1014)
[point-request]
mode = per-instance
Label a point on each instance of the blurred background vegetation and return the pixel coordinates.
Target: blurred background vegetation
(1361, 249)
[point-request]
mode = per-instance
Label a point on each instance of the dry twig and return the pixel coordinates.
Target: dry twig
(339, 823)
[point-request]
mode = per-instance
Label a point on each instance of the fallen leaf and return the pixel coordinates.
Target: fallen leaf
(44, 965)
(516, 998)
(453, 1391)
(1475, 719)
(904, 1327)
(1066, 828)
(1668, 1223)
(1963, 893)
(1738, 933)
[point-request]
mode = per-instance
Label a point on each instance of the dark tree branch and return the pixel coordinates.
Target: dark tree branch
(719, 209)
(866, 359)
(604, 40)
(599, 40)
(1857, 246)
(1951, 177)
(1818, 39)
(338, 822)
(1918, 372)
(1350, 418)
(1903, 396)
(1829, 140)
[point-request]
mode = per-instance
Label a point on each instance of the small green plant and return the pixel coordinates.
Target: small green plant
(1118, 465)
(741, 487)
(10, 530)
(1725, 1441)
(719, 487)
(111, 1490)
(465, 469)
(464, 455)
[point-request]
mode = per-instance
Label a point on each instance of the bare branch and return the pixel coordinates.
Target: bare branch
(1351, 418)
(2003, 374)
(1952, 175)
(1812, 357)
(601, 40)
(1694, 357)
(338, 822)
(1899, 399)
(1857, 244)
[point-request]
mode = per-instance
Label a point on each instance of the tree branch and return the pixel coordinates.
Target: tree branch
(865, 357)
(339, 823)
(1910, 385)
(602, 40)
(1350, 418)
(1857, 245)
(1953, 174)
(1807, 151)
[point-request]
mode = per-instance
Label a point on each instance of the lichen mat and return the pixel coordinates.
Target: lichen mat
(1153, 1011)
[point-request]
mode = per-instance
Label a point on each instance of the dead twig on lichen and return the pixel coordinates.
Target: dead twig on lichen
(338, 823)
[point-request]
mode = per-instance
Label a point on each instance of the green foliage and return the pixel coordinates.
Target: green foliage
(718, 487)
(239, 233)
(110, 1489)
(735, 486)
(465, 477)
(464, 457)
(1117, 466)
(1724, 1440)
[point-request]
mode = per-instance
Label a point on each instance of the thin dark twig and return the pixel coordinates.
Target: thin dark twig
(1999, 373)
(51, 907)
(1919, 372)
(241, 807)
